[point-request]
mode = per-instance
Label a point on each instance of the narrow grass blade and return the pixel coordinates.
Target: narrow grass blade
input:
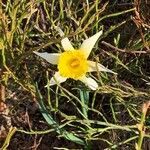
(49, 119)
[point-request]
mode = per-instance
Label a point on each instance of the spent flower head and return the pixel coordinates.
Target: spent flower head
(74, 63)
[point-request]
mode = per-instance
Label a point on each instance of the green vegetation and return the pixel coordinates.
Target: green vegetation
(70, 115)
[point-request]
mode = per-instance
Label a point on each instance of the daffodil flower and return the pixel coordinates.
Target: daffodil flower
(74, 63)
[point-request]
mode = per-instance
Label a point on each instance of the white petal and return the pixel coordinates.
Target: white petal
(59, 31)
(57, 79)
(66, 44)
(93, 66)
(50, 57)
(91, 83)
(89, 43)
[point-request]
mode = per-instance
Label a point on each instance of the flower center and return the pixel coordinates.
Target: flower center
(72, 64)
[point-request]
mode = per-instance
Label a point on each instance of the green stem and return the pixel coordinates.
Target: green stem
(142, 132)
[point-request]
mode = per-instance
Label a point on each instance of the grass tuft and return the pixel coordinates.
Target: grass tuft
(71, 116)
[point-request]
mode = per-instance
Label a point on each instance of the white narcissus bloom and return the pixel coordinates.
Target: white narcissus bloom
(73, 63)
